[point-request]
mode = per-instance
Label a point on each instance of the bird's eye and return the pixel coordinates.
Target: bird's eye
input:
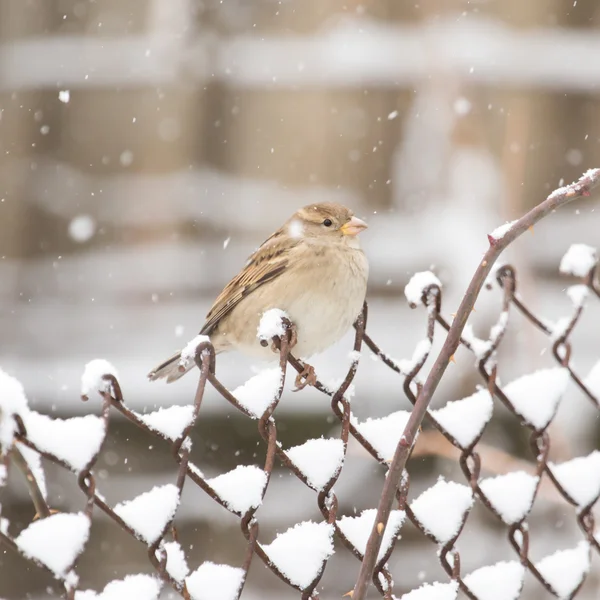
(328, 222)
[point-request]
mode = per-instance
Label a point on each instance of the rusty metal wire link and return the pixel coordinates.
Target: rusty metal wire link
(470, 460)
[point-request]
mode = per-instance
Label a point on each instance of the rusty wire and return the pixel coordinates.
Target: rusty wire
(327, 502)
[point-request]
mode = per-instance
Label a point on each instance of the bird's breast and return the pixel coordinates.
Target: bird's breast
(322, 293)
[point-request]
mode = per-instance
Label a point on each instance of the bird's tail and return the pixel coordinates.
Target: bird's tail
(170, 369)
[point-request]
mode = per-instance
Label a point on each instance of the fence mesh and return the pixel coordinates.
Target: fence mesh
(299, 556)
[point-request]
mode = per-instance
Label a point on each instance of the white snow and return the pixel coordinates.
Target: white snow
(259, 391)
(421, 351)
(140, 587)
(511, 495)
(578, 294)
(462, 106)
(148, 513)
(241, 489)
(564, 570)
(82, 228)
(499, 327)
(491, 281)
(391, 116)
(502, 230)
(358, 529)
(559, 329)
(592, 381)
(55, 541)
(188, 354)
(126, 158)
(169, 422)
(383, 433)
(502, 581)
(417, 284)
(433, 591)
(215, 582)
(441, 509)
(64, 96)
(579, 260)
(354, 356)
(479, 346)
(300, 552)
(465, 419)
(177, 566)
(536, 396)
(563, 189)
(334, 384)
(196, 470)
(12, 402)
(91, 380)
(296, 229)
(271, 324)
(3, 476)
(34, 461)
(318, 459)
(580, 477)
(75, 440)
(86, 595)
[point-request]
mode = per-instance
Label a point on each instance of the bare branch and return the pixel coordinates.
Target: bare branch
(555, 200)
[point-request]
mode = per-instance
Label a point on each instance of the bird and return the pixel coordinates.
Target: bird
(313, 268)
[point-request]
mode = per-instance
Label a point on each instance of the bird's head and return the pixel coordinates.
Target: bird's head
(325, 220)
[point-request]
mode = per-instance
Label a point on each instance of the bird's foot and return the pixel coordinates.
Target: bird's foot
(293, 339)
(294, 336)
(306, 377)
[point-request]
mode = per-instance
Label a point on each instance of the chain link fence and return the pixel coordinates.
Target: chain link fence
(299, 556)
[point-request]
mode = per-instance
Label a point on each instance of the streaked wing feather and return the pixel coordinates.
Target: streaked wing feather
(267, 263)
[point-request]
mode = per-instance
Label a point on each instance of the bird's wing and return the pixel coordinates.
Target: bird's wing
(267, 263)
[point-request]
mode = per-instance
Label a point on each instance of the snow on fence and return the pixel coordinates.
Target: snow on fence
(299, 556)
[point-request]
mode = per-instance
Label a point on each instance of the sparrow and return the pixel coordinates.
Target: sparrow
(313, 268)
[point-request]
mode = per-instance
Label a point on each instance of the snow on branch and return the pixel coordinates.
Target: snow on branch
(441, 510)
(75, 441)
(579, 260)
(564, 570)
(149, 513)
(257, 394)
(300, 552)
(241, 489)
(418, 285)
(579, 477)
(140, 587)
(383, 433)
(211, 580)
(536, 396)
(93, 378)
(55, 541)
(357, 529)
(319, 460)
(502, 580)
(170, 422)
(12, 403)
(465, 419)
(511, 495)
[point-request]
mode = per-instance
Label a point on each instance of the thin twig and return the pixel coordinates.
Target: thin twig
(554, 201)
(39, 502)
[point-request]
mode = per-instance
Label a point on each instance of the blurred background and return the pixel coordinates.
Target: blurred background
(147, 147)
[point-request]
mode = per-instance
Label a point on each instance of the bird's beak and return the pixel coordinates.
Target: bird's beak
(353, 226)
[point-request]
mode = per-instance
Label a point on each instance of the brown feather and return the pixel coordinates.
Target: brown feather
(269, 261)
